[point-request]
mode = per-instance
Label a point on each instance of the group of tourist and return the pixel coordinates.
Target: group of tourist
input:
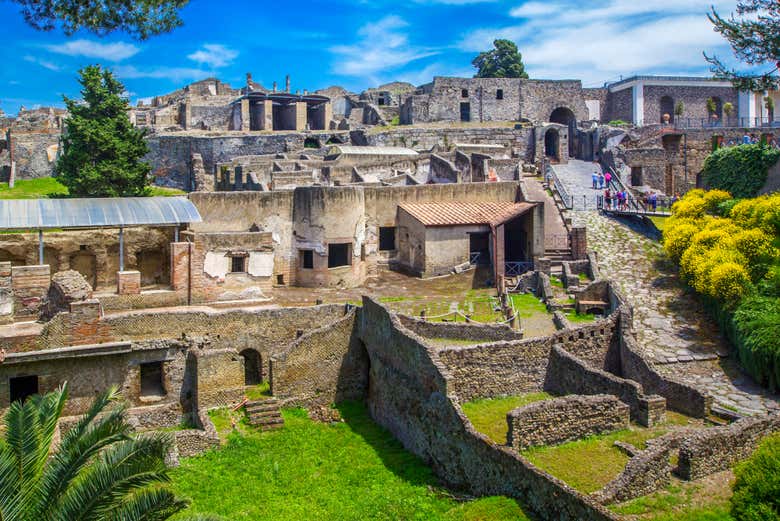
(599, 179)
(619, 199)
(752, 139)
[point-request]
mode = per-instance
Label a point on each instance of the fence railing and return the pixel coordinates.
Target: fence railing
(661, 205)
(726, 122)
(515, 269)
(568, 200)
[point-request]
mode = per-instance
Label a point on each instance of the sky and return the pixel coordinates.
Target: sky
(363, 43)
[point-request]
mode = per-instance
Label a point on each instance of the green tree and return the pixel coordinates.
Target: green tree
(754, 35)
(100, 470)
(504, 61)
(101, 150)
(139, 18)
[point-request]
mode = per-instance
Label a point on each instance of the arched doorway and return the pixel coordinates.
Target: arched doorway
(666, 106)
(552, 144)
(253, 369)
(565, 116)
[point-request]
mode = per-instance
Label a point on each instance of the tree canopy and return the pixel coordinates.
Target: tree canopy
(139, 18)
(504, 61)
(754, 35)
(101, 149)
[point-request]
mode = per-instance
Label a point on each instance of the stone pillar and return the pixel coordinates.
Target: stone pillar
(185, 115)
(579, 243)
(300, 116)
(747, 108)
(638, 103)
(6, 294)
(180, 262)
(543, 264)
(245, 115)
(30, 285)
(266, 109)
(652, 410)
(128, 282)
(328, 110)
(239, 179)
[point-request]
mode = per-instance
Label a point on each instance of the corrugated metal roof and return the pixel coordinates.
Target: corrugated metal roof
(34, 214)
(372, 151)
(460, 213)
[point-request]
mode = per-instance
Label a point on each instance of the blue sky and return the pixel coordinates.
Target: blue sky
(360, 44)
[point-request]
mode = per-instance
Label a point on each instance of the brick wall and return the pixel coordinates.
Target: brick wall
(30, 285)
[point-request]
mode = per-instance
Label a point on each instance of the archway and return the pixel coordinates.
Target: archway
(85, 263)
(565, 116)
(666, 106)
(552, 144)
(253, 369)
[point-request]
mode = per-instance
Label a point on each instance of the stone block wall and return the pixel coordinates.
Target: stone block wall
(551, 422)
(719, 448)
(6, 294)
(644, 473)
(128, 282)
(219, 375)
(481, 332)
(30, 285)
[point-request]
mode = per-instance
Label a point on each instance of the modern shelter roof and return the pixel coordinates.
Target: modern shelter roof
(113, 212)
(459, 213)
(351, 150)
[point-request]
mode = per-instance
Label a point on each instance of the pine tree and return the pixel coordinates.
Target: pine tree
(502, 62)
(754, 35)
(101, 150)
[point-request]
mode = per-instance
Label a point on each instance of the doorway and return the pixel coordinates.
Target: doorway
(465, 111)
(253, 373)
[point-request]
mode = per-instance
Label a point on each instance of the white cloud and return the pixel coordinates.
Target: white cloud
(214, 55)
(174, 74)
(382, 46)
(114, 52)
(46, 64)
(602, 40)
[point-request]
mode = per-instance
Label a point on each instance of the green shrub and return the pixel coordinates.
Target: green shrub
(618, 123)
(757, 488)
(740, 170)
(756, 334)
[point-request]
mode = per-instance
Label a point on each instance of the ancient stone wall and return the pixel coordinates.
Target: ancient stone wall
(324, 366)
(550, 422)
(644, 473)
(30, 285)
(459, 331)
(694, 100)
(619, 106)
(539, 98)
(35, 154)
(711, 450)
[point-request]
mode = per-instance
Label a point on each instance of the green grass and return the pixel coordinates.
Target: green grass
(32, 189)
(573, 462)
(259, 392)
(576, 318)
(583, 277)
(49, 186)
(488, 415)
(555, 281)
(353, 470)
(527, 305)
(659, 222)
(678, 501)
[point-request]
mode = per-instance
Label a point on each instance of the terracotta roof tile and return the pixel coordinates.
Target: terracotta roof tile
(463, 213)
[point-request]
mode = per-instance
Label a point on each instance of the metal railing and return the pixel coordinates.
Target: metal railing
(568, 200)
(515, 269)
(726, 122)
(662, 205)
(476, 259)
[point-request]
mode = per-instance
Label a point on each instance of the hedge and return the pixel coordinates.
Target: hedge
(741, 170)
(757, 487)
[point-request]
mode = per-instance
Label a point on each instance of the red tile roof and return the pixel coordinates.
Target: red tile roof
(463, 213)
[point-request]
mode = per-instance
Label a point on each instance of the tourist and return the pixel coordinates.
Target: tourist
(753, 139)
(595, 178)
(601, 181)
(653, 201)
(607, 199)
(746, 139)
(607, 178)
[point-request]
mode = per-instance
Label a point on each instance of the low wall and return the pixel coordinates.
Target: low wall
(324, 366)
(550, 422)
(505, 368)
(719, 448)
(192, 442)
(484, 332)
(645, 473)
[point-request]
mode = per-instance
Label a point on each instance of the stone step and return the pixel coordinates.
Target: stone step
(264, 414)
(724, 414)
(260, 408)
(267, 421)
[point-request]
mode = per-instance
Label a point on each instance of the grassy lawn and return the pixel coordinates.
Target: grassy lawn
(576, 318)
(555, 281)
(573, 462)
(259, 392)
(489, 415)
(527, 305)
(353, 470)
(482, 305)
(659, 222)
(706, 500)
(49, 186)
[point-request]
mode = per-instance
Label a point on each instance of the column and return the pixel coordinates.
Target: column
(245, 115)
(638, 103)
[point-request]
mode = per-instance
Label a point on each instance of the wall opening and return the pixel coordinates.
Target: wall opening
(465, 111)
(666, 106)
(636, 176)
(339, 254)
(464, 93)
(253, 369)
(15, 260)
(280, 279)
(152, 379)
(565, 116)
(85, 263)
(479, 248)
(154, 267)
(284, 116)
(500, 94)
(386, 238)
(311, 142)
(552, 144)
(515, 241)
(22, 387)
(307, 259)
(52, 258)
(718, 107)
(315, 117)
(237, 264)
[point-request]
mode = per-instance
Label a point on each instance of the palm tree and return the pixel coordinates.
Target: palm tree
(100, 471)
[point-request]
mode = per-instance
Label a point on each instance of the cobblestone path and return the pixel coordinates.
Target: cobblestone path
(672, 328)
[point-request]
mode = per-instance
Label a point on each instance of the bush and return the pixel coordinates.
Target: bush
(757, 488)
(756, 334)
(741, 170)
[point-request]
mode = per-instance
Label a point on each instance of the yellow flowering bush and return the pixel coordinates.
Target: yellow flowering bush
(713, 198)
(677, 237)
(729, 281)
(762, 212)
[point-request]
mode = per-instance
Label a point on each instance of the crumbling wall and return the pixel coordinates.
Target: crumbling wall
(550, 422)
(459, 331)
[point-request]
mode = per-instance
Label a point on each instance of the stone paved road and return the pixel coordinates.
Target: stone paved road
(672, 328)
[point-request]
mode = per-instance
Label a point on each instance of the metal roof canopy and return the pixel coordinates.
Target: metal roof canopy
(110, 212)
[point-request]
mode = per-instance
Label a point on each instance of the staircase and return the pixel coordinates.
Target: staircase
(264, 414)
